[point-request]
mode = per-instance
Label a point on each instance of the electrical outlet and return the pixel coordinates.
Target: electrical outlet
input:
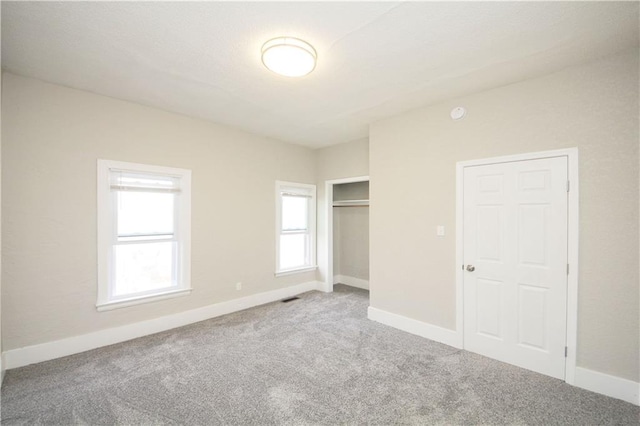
(238, 286)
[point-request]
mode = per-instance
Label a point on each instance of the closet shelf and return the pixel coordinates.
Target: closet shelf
(351, 203)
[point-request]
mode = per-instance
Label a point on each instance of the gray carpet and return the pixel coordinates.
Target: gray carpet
(317, 360)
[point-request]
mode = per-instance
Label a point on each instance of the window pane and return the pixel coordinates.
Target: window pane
(294, 212)
(143, 267)
(293, 251)
(145, 213)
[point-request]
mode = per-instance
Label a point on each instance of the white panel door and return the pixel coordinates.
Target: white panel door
(515, 260)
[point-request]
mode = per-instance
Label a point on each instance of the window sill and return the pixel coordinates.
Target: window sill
(108, 306)
(296, 271)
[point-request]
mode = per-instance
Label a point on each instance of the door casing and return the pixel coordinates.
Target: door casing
(572, 238)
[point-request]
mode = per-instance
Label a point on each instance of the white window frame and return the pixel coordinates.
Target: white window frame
(304, 190)
(107, 233)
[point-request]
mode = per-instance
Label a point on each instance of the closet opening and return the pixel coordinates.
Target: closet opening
(348, 232)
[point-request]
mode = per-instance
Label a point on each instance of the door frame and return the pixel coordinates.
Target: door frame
(572, 241)
(328, 191)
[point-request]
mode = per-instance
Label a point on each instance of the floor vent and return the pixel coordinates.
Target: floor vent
(290, 299)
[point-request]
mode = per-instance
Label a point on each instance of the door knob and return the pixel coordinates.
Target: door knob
(471, 268)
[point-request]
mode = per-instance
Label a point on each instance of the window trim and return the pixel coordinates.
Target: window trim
(105, 220)
(306, 190)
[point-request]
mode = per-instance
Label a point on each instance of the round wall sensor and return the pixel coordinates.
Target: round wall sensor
(457, 113)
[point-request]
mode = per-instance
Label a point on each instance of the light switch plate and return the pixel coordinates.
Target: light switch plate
(440, 230)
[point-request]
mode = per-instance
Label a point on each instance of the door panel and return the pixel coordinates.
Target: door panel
(515, 235)
(488, 244)
(532, 223)
(488, 308)
(533, 309)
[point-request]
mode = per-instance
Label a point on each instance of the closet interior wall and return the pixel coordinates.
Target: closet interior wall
(351, 234)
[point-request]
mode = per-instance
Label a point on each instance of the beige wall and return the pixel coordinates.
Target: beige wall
(345, 160)
(413, 156)
(51, 139)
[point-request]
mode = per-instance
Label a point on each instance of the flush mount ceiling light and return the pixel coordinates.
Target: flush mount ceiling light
(289, 56)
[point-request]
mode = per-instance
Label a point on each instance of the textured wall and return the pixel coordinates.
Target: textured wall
(51, 139)
(413, 157)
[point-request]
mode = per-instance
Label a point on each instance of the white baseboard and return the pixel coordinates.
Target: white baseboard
(2, 364)
(615, 387)
(351, 281)
(325, 287)
(422, 329)
(46, 351)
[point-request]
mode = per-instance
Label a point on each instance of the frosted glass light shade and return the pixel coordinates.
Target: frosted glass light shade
(289, 56)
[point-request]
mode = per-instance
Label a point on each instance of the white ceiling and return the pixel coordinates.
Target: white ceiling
(375, 59)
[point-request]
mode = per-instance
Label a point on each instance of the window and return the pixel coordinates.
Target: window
(296, 227)
(143, 233)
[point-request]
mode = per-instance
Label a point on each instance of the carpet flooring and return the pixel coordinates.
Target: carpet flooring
(316, 360)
